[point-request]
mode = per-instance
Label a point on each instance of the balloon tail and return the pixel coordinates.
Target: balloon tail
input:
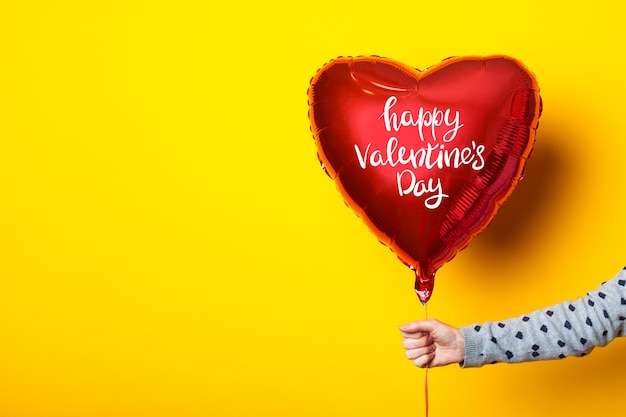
(424, 285)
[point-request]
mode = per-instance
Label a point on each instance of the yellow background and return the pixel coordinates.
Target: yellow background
(169, 245)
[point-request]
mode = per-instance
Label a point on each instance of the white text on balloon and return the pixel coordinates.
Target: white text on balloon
(424, 119)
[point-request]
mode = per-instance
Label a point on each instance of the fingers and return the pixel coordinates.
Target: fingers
(419, 348)
(421, 356)
(432, 343)
(416, 342)
(419, 352)
(425, 360)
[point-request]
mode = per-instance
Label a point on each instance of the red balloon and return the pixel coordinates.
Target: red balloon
(425, 158)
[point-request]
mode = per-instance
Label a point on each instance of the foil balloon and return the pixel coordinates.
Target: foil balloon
(425, 158)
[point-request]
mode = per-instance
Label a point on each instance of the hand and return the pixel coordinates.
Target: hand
(431, 343)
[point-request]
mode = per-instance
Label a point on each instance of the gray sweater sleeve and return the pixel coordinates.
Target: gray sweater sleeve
(571, 328)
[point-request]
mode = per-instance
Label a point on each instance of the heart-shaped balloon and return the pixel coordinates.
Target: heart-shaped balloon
(425, 158)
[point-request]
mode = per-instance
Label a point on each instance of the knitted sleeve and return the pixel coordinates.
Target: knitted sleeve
(571, 328)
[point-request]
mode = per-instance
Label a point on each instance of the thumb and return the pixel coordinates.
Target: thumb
(426, 326)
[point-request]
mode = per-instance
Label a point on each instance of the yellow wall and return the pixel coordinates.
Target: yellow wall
(169, 245)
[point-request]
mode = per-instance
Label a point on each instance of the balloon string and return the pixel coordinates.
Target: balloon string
(426, 389)
(427, 366)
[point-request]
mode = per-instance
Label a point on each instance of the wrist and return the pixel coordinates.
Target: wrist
(460, 346)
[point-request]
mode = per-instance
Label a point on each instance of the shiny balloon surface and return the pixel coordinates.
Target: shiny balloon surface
(425, 158)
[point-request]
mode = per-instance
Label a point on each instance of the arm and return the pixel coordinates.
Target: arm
(571, 328)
